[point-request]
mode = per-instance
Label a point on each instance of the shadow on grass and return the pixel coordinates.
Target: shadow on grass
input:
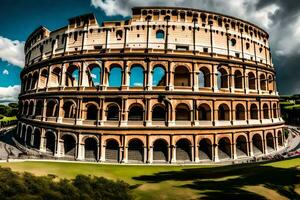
(226, 182)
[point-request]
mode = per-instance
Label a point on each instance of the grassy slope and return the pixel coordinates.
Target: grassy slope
(8, 118)
(277, 180)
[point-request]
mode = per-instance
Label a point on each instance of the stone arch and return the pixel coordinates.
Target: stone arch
(160, 150)
(50, 137)
(223, 112)
(25, 109)
(204, 112)
(31, 108)
(257, 144)
(262, 78)
(113, 112)
(136, 112)
(28, 83)
(69, 109)
(115, 76)
(238, 79)
(39, 107)
(240, 112)
(241, 146)
(69, 145)
(159, 75)
(137, 75)
(55, 77)
(222, 78)
(275, 110)
(37, 138)
(253, 111)
(266, 111)
(182, 112)
(205, 149)
(72, 76)
(90, 148)
(270, 83)
(224, 148)
(270, 142)
(35, 78)
(135, 150)
(158, 113)
(23, 135)
(94, 74)
(251, 81)
(204, 77)
(183, 150)
(29, 135)
(51, 109)
(112, 150)
(43, 78)
(91, 111)
(279, 137)
(182, 76)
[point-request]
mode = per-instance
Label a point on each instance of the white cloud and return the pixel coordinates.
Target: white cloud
(5, 72)
(94, 76)
(9, 94)
(12, 51)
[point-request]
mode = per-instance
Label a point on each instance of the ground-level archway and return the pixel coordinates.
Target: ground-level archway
(112, 151)
(224, 148)
(135, 151)
(183, 150)
(205, 149)
(160, 151)
(90, 149)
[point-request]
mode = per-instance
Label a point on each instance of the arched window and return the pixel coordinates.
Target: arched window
(274, 110)
(34, 80)
(43, 78)
(251, 81)
(160, 34)
(91, 112)
(115, 76)
(238, 80)
(31, 105)
(51, 109)
(223, 112)
(182, 112)
(240, 112)
(222, 78)
(25, 109)
(204, 112)
(136, 113)
(69, 109)
(119, 34)
(28, 83)
(136, 76)
(39, 108)
(159, 76)
(182, 76)
(263, 82)
(113, 113)
(270, 83)
(266, 111)
(158, 113)
(204, 77)
(253, 111)
(55, 77)
(72, 76)
(94, 75)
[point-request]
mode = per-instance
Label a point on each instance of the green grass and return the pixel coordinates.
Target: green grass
(8, 118)
(276, 180)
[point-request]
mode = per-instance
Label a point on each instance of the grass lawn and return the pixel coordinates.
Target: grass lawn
(8, 118)
(276, 180)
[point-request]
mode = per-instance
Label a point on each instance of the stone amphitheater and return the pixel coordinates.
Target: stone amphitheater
(168, 85)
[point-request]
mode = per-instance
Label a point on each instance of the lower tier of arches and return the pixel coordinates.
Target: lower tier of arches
(152, 148)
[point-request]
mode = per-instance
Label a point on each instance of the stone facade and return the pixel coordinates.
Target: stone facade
(169, 85)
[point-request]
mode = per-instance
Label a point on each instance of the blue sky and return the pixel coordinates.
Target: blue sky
(281, 18)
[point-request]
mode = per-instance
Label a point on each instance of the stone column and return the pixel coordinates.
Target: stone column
(80, 153)
(148, 113)
(216, 155)
(250, 147)
(234, 155)
(102, 149)
(60, 111)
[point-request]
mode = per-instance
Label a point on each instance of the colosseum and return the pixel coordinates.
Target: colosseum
(168, 85)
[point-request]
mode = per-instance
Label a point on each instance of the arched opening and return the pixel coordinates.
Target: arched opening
(25, 110)
(51, 109)
(28, 83)
(39, 108)
(90, 149)
(69, 108)
(257, 144)
(94, 75)
(205, 149)
(43, 78)
(238, 79)
(50, 142)
(28, 136)
(112, 151)
(182, 76)
(183, 150)
(222, 78)
(158, 113)
(204, 112)
(224, 148)
(119, 34)
(160, 151)
(241, 146)
(136, 113)
(274, 110)
(223, 112)
(253, 111)
(35, 78)
(115, 76)
(136, 76)
(204, 77)
(271, 83)
(280, 141)
(37, 139)
(91, 112)
(240, 112)
(263, 82)
(160, 34)
(159, 76)
(69, 147)
(266, 111)
(113, 112)
(182, 112)
(135, 151)
(23, 134)
(72, 76)
(55, 77)
(31, 106)
(270, 142)
(251, 81)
